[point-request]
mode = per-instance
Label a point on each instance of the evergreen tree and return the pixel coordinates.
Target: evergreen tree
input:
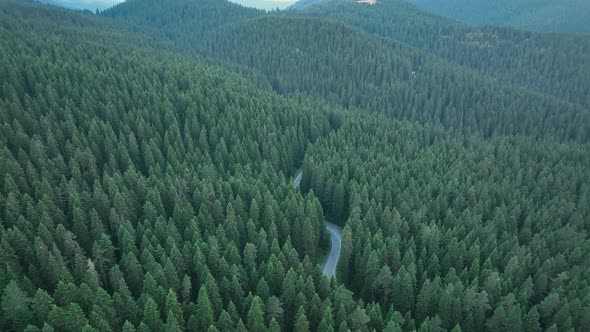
(204, 311)
(301, 323)
(256, 315)
(15, 306)
(151, 315)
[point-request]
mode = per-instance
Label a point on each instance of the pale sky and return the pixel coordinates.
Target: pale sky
(102, 4)
(84, 4)
(265, 4)
(112, 2)
(90, 2)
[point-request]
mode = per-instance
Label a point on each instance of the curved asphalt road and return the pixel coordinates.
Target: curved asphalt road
(297, 181)
(335, 237)
(332, 260)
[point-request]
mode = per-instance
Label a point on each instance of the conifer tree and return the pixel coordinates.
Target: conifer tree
(256, 315)
(301, 323)
(204, 311)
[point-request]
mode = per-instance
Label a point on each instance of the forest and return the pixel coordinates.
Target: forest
(148, 152)
(541, 15)
(552, 64)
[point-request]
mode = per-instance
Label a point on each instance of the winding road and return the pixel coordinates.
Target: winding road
(335, 239)
(332, 260)
(297, 181)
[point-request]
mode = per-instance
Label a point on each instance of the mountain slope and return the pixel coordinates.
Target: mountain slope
(265, 4)
(144, 189)
(306, 3)
(141, 167)
(91, 5)
(179, 20)
(355, 69)
(544, 15)
(548, 63)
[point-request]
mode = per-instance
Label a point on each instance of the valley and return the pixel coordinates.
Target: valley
(204, 166)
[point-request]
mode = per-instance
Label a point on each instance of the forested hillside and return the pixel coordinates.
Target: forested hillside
(355, 69)
(181, 21)
(297, 55)
(147, 158)
(306, 3)
(146, 190)
(265, 4)
(542, 15)
(552, 64)
(448, 230)
(91, 5)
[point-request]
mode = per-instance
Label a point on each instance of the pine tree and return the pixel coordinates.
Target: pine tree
(358, 319)
(288, 293)
(225, 323)
(241, 327)
(345, 253)
(15, 306)
(301, 323)
(274, 326)
(172, 306)
(383, 285)
(151, 315)
(274, 309)
(204, 311)
(531, 321)
(403, 291)
(376, 317)
(41, 305)
(256, 315)
(327, 323)
(171, 323)
(69, 318)
(128, 327)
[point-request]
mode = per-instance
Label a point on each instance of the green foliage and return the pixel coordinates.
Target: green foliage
(358, 70)
(15, 306)
(553, 64)
(256, 315)
(543, 15)
(144, 188)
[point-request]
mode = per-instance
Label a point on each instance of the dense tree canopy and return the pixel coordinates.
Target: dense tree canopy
(354, 69)
(553, 64)
(147, 187)
(542, 15)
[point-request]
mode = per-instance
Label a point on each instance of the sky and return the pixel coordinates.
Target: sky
(84, 4)
(266, 4)
(107, 2)
(103, 4)
(90, 2)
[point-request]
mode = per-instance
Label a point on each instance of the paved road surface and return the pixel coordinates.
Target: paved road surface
(298, 178)
(332, 260)
(335, 239)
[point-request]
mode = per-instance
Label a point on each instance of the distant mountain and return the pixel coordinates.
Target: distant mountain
(306, 3)
(520, 57)
(83, 4)
(541, 15)
(147, 184)
(265, 4)
(353, 68)
(179, 20)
